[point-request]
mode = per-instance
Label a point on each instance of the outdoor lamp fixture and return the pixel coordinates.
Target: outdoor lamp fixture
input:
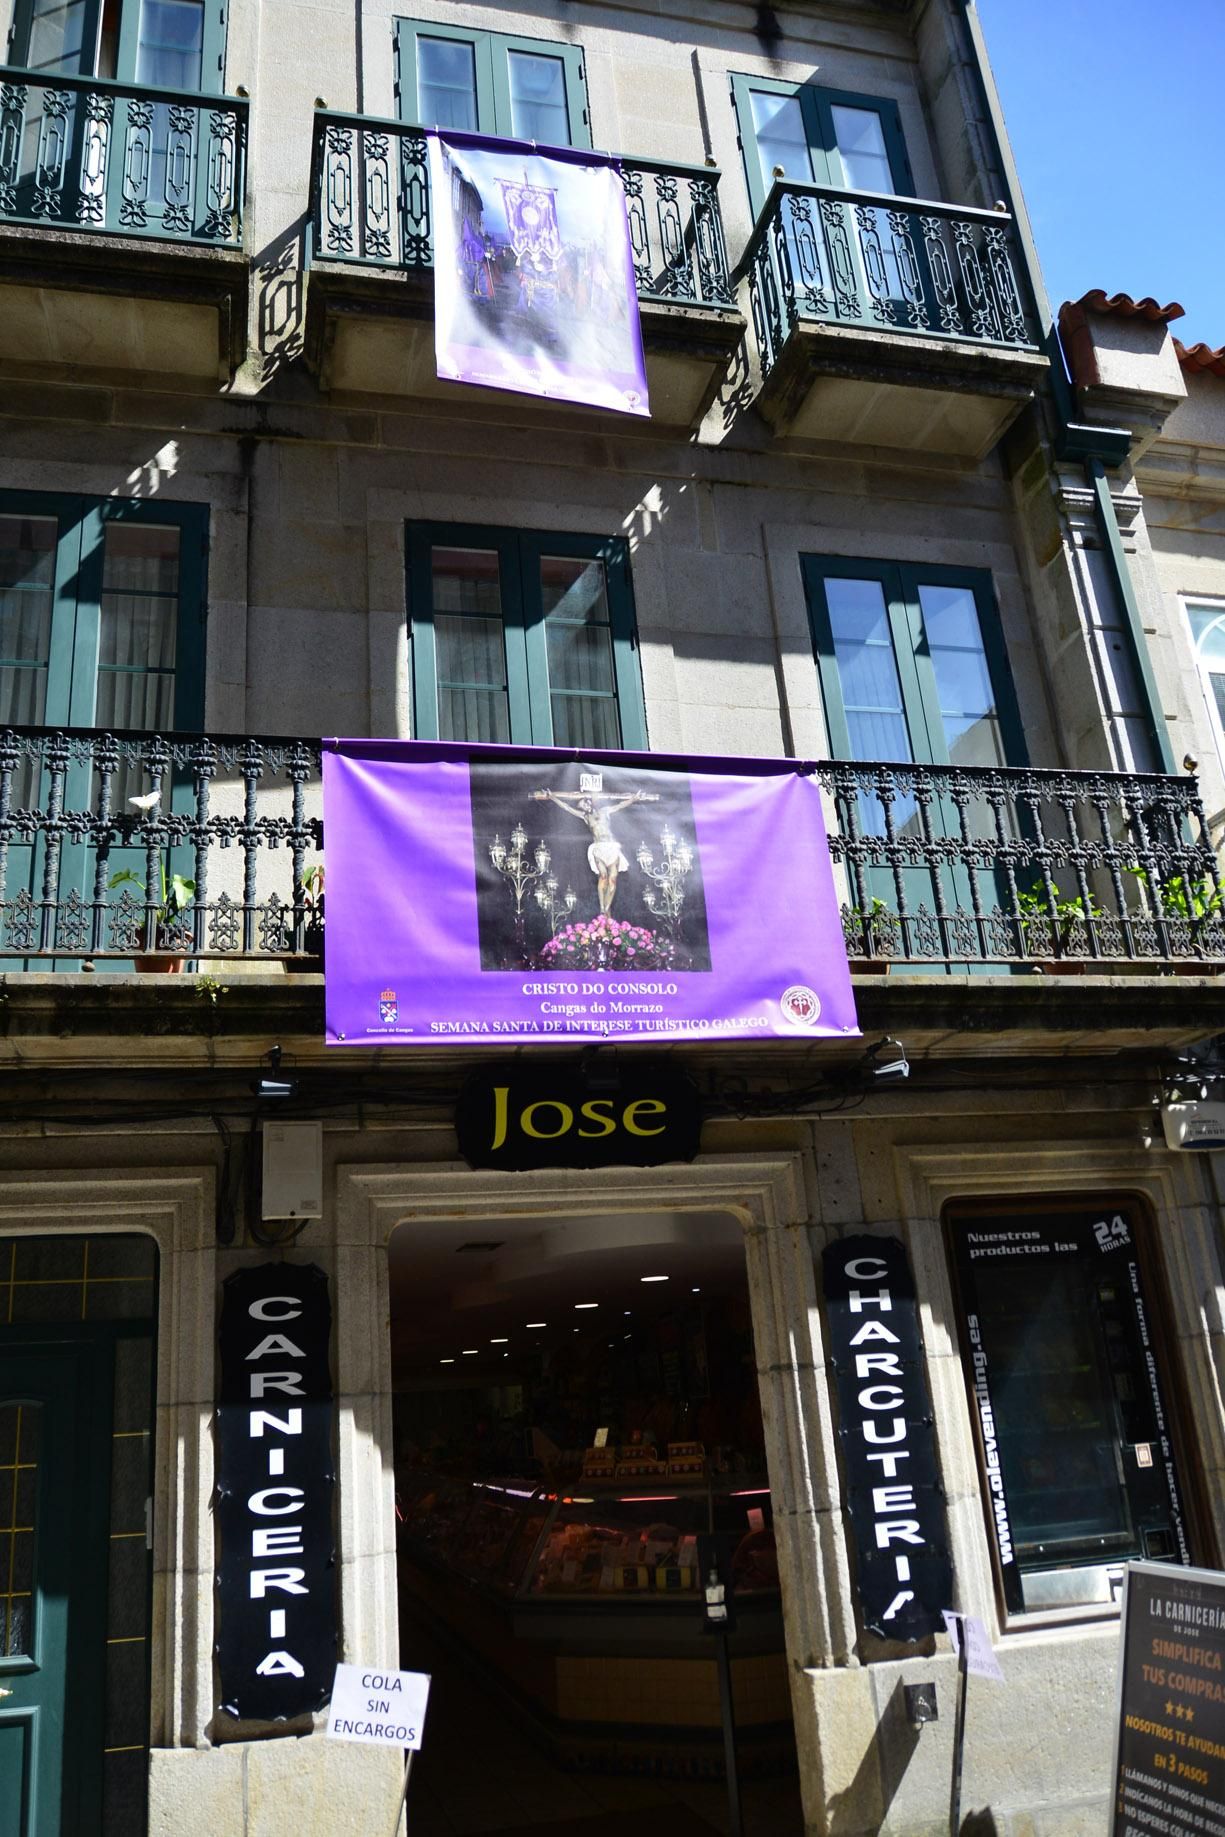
(887, 1059)
(270, 1084)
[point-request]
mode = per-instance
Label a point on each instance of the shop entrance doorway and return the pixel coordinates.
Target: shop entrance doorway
(576, 1413)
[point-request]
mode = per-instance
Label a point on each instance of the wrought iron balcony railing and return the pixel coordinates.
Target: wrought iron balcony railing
(370, 204)
(965, 864)
(939, 864)
(87, 153)
(884, 264)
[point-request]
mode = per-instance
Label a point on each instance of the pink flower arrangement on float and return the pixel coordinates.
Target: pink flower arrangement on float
(607, 943)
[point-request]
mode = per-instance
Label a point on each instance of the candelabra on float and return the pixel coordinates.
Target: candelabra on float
(515, 866)
(556, 910)
(665, 899)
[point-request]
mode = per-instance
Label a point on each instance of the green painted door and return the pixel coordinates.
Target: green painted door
(55, 1408)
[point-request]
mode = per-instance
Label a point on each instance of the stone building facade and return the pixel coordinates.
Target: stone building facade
(870, 523)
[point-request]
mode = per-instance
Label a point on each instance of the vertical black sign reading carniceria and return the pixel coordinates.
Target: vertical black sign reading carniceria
(885, 1437)
(276, 1613)
(1169, 1773)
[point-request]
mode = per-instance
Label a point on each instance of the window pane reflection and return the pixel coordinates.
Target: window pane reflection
(27, 586)
(963, 680)
(782, 140)
(538, 98)
(170, 53)
(871, 688)
(861, 147)
(867, 670)
(582, 680)
(57, 39)
(137, 636)
(446, 83)
(469, 648)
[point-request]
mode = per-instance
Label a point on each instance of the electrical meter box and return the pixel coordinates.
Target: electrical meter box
(293, 1171)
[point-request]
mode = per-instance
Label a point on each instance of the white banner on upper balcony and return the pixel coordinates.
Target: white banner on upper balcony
(534, 284)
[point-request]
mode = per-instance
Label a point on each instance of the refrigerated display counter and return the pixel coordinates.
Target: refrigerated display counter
(587, 1607)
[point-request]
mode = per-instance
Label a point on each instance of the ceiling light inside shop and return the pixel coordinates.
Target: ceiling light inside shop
(652, 1278)
(580, 1305)
(446, 1361)
(472, 1352)
(499, 1342)
(537, 1323)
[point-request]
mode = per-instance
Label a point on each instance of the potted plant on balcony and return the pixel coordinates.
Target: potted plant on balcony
(1052, 927)
(1188, 904)
(878, 930)
(177, 894)
(312, 934)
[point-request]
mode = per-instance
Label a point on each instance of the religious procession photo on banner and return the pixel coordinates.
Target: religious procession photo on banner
(534, 278)
(579, 868)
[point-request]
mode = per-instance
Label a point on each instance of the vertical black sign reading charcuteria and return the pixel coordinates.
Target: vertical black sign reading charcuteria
(885, 1435)
(276, 1616)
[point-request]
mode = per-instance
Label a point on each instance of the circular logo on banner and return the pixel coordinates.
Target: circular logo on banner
(801, 1005)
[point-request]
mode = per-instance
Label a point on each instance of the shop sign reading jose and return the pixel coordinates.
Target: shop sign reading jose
(514, 1119)
(276, 1617)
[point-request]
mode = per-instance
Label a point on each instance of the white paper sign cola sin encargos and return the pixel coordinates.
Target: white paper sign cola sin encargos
(386, 1708)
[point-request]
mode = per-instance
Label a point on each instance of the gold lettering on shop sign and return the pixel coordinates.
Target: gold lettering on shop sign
(597, 1110)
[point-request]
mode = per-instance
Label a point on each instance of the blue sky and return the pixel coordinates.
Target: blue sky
(1116, 113)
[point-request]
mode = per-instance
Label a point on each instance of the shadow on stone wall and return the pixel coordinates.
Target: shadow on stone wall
(280, 300)
(864, 1806)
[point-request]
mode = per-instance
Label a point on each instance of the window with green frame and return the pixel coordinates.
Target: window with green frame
(913, 671)
(169, 44)
(102, 615)
(102, 607)
(488, 83)
(523, 636)
(912, 663)
(819, 137)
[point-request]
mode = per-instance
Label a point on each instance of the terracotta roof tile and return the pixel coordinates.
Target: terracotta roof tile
(1198, 357)
(1098, 301)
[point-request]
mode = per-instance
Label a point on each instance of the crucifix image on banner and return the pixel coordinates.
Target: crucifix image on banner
(533, 273)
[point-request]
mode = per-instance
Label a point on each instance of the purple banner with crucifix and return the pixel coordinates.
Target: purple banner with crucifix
(489, 893)
(533, 273)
